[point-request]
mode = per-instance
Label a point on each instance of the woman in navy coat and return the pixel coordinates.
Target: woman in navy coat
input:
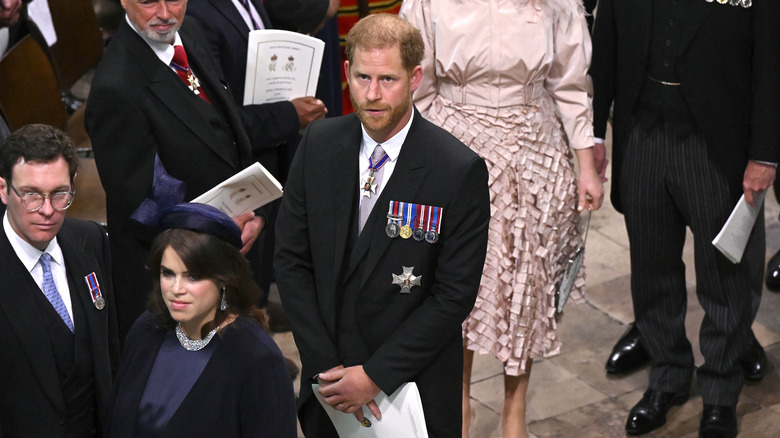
(199, 362)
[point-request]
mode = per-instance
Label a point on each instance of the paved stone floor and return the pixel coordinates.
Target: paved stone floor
(571, 395)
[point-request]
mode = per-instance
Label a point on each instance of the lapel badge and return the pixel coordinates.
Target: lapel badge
(369, 186)
(407, 280)
(94, 291)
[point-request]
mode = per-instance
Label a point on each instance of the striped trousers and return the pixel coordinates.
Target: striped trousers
(667, 183)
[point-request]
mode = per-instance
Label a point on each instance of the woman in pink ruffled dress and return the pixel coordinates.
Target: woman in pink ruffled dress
(509, 79)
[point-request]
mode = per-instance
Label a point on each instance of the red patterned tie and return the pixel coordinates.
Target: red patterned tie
(182, 67)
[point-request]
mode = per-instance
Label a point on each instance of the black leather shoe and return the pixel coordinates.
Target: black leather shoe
(773, 273)
(754, 363)
(628, 354)
(718, 422)
(650, 413)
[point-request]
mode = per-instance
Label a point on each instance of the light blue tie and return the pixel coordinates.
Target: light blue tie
(50, 290)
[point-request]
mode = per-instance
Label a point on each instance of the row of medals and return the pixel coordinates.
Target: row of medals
(743, 3)
(394, 229)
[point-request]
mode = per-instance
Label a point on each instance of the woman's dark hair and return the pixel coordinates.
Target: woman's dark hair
(207, 257)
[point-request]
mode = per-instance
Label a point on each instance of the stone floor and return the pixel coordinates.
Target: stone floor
(571, 395)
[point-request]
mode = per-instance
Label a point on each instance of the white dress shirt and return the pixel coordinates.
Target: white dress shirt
(392, 148)
(30, 256)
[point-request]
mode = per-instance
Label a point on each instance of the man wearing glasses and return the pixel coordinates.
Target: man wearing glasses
(58, 331)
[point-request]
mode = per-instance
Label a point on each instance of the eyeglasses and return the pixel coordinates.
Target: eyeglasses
(33, 201)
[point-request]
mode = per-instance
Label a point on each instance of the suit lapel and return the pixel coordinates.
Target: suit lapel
(263, 13)
(641, 12)
(697, 14)
(203, 61)
(167, 86)
(343, 208)
(18, 304)
(231, 14)
(404, 184)
(79, 263)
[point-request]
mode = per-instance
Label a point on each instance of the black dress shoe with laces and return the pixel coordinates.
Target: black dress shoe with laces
(628, 354)
(773, 273)
(718, 422)
(754, 363)
(650, 413)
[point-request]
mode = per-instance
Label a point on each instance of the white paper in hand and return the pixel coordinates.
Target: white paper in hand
(402, 416)
(733, 237)
(245, 191)
(281, 65)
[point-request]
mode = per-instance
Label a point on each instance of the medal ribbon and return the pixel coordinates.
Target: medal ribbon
(374, 167)
(181, 64)
(94, 286)
(436, 219)
(407, 219)
(414, 214)
(392, 209)
(421, 216)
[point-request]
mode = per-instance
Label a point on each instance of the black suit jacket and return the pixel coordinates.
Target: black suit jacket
(139, 107)
(268, 125)
(244, 390)
(410, 337)
(31, 402)
(727, 64)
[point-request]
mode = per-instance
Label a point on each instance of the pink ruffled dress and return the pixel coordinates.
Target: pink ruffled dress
(509, 79)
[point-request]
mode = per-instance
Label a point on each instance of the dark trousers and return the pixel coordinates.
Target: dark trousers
(315, 423)
(668, 183)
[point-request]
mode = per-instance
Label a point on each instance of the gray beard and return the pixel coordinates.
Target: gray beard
(166, 37)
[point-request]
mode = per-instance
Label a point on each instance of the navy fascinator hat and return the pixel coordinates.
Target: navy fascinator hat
(201, 218)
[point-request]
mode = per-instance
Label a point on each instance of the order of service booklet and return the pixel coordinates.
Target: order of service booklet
(733, 237)
(245, 191)
(281, 65)
(402, 416)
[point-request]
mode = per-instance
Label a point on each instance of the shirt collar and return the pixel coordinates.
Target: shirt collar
(27, 253)
(164, 51)
(392, 146)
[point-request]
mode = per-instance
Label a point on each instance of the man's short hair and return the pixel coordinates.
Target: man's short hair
(37, 143)
(380, 31)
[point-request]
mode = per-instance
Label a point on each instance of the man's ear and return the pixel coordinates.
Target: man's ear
(3, 190)
(346, 70)
(416, 78)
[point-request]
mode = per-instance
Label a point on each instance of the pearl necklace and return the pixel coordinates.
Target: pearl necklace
(194, 344)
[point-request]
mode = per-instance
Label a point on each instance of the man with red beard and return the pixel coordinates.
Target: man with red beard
(380, 242)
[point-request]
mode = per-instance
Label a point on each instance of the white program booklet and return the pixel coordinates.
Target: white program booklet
(245, 191)
(402, 416)
(281, 65)
(733, 237)
(39, 13)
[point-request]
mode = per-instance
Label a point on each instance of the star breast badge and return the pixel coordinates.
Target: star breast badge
(407, 279)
